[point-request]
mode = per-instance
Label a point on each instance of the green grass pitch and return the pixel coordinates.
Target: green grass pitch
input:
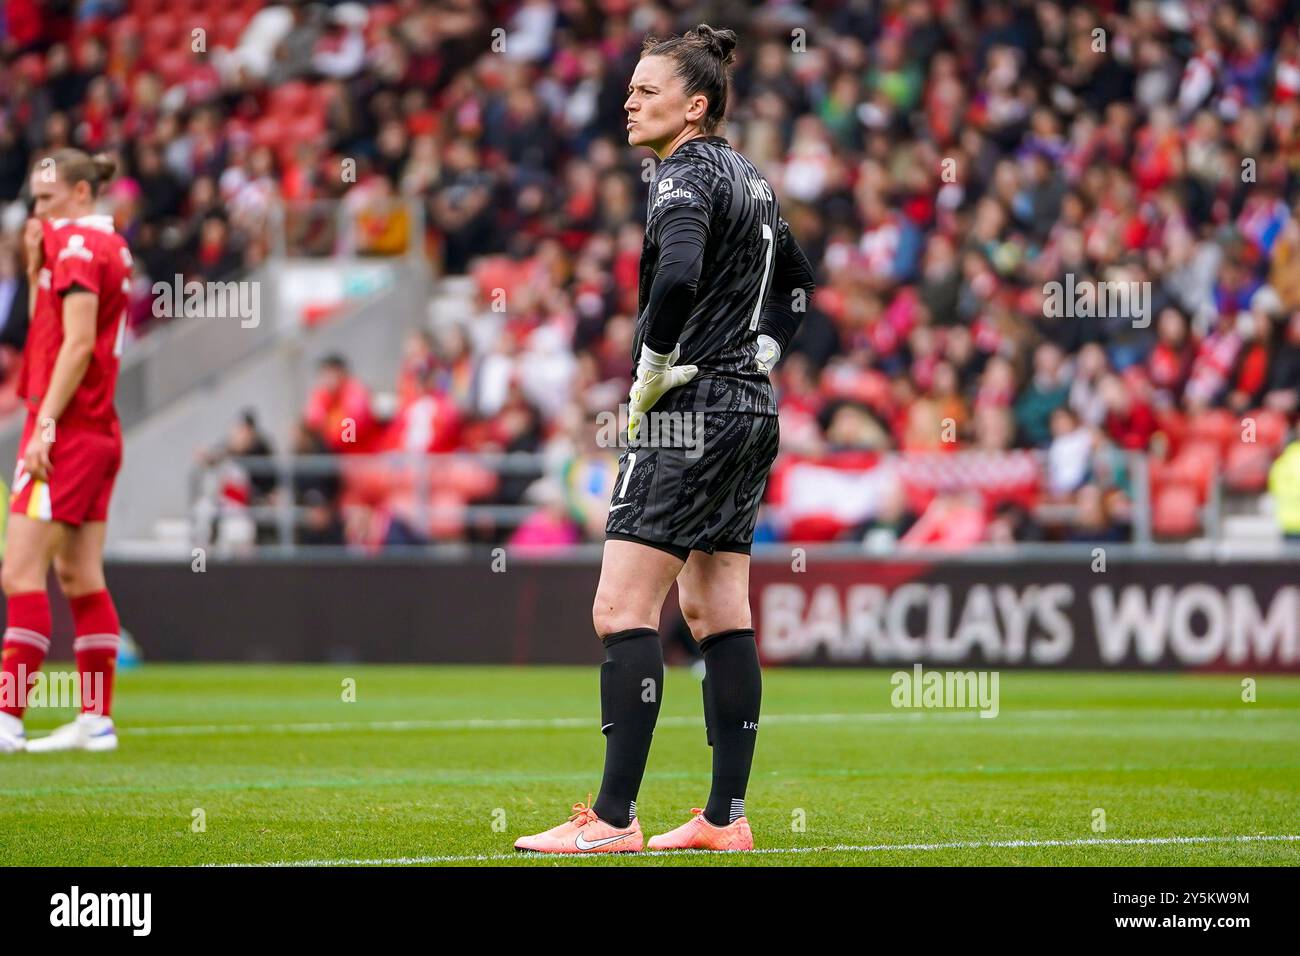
(448, 765)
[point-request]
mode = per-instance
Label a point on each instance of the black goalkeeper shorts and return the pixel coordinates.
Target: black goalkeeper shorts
(696, 489)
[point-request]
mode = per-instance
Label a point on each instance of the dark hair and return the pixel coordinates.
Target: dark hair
(77, 166)
(704, 57)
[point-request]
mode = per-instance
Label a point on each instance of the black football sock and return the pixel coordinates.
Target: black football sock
(733, 691)
(631, 682)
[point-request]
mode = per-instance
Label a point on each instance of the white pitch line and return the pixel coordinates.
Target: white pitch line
(555, 723)
(835, 848)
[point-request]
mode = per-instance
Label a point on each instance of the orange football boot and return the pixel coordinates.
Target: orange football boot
(585, 833)
(698, 833)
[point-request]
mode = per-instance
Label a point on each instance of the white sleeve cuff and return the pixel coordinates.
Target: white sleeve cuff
(656, 361)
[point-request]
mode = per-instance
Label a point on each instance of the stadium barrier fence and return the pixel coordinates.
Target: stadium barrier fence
(1139, 609)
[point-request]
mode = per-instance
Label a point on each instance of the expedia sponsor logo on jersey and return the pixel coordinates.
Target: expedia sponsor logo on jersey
(666, 192)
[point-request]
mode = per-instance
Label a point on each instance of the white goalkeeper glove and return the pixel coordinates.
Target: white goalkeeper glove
(768, 354)
(655, 374)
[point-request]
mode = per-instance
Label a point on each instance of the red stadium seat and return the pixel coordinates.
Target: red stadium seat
(1196, 464)
(162, 31)
(291, 100)
(1215, 425)
(230, 27)
(204, 22)
(1176, 512)
(1270, 427)
(815, 528)
(1158, 471)
(465, 478)
(1246, 467)
(122, 27)
(173, 65)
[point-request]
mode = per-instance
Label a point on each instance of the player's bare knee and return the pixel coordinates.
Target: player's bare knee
(611, 614)
(75, 581)
(66, 575)
(695, 614)
(605, 616)
(719, 619)
(17, 578)
(612, 623)
(8, 579)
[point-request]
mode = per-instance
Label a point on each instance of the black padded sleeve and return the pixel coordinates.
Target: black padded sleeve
(683, 232)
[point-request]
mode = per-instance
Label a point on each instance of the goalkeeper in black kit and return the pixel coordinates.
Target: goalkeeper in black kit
(723, 287)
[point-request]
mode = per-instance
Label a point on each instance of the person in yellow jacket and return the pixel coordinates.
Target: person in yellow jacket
(1284, 486)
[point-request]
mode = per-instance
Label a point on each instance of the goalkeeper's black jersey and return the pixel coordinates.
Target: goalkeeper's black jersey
(744, 240)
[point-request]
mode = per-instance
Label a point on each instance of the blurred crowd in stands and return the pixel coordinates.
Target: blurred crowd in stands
(940, 161)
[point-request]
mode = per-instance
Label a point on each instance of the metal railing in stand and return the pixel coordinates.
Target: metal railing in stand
(1140, 469)
(416, 473)
(416, 479)
(1213, 511)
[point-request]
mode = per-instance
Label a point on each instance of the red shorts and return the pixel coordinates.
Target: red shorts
(83, 463)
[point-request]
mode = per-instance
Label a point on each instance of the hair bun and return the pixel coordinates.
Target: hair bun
(105, 166)
(720, 43)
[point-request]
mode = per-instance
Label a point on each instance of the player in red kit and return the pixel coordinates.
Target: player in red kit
(79, 270)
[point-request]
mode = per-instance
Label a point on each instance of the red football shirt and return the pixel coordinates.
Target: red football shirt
(84, 252)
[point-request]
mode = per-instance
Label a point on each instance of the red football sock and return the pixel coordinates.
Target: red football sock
(26, 642)
(95, 619)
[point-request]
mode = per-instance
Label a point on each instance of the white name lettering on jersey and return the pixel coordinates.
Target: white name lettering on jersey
(759, 189)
